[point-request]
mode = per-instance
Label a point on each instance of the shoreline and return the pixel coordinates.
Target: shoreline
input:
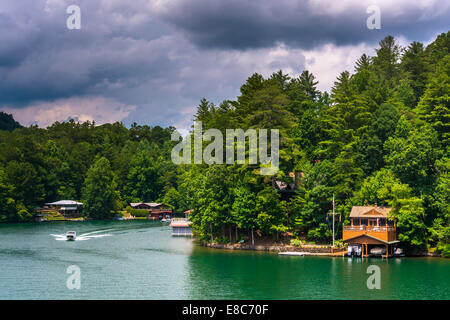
(310, 250)
(314, 250)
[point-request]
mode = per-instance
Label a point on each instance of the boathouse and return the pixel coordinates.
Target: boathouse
(181, 227)
(371, 231)
(155, 210)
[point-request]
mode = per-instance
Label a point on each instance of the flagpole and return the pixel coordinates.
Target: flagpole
(333, 220)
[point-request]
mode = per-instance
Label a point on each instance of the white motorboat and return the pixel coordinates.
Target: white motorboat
(354, 250)
(398, 252)
(71, 235)
(378, 251)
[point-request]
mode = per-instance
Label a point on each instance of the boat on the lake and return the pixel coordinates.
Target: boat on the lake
(378, 251)
(354, 250)
(71, 235)
(398, 252)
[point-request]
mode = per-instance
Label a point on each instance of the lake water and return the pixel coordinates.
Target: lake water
(140, 260)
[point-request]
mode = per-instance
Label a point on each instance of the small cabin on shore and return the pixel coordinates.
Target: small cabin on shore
(370, 229)
(68, 208)
(156, 211)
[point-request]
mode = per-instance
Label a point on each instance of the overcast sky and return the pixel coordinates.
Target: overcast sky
(151, 61)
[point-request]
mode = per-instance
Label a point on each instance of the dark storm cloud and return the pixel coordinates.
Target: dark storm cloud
(303, 24)
(122, 53)
(40, 59)
(145, 59)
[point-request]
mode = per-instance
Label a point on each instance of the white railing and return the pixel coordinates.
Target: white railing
(369, 228)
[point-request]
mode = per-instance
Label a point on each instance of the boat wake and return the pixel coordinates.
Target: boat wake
(84, 236)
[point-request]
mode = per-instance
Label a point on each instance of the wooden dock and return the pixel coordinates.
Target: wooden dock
(293, 253)
(300, 253)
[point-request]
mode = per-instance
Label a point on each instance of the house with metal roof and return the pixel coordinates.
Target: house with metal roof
(68, 208)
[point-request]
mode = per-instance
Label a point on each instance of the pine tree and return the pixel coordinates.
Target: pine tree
(386, 62)
(414, 68)
(434, 107)
(363, 63)
(205, 111)
(437, 50)
(308, 84)
(347, 118)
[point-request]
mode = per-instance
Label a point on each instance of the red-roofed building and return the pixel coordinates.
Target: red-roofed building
(187, 213)
(156, 210)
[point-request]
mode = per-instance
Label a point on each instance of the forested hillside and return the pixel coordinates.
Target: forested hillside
(380, 136)
(7, 122)
(106, 166)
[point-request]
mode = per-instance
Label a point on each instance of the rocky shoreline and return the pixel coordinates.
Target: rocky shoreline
(314, 250)
(311, 249)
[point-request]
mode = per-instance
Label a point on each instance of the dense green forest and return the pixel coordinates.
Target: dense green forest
(380, 136)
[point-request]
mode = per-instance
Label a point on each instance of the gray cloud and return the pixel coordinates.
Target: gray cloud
(44, 60)
(301, 24)
(121, 53)
(149, 57)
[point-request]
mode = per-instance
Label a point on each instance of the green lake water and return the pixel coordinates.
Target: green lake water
(140, 260)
